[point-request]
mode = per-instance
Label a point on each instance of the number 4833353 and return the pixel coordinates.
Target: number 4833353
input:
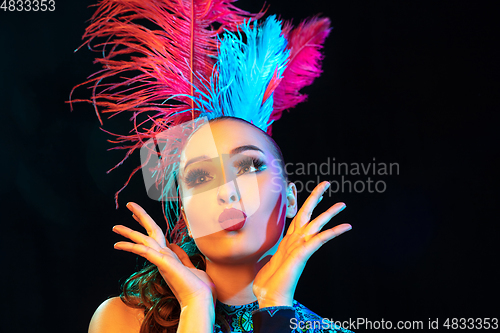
(28, 5)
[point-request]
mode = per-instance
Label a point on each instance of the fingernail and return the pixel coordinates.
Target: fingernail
(341, 209)
(327, 185)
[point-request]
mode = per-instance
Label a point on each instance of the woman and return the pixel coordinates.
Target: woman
(230, 267)
(250, 263)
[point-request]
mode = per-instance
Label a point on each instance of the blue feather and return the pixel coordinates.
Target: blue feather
(243, 72)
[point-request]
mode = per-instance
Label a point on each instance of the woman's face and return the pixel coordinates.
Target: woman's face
(233, 192)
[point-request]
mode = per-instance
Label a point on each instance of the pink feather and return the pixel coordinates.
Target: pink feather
(305, 43)
(151, 66)
(275, 81)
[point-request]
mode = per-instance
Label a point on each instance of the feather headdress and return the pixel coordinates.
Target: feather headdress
(203, 58)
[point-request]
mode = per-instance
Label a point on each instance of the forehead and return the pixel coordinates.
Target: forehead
(220, 137)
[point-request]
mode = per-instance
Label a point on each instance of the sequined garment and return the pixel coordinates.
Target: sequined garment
(296, 319)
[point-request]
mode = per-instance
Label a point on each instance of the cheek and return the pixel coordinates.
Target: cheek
(273, 205)
(278, 215)
(198, 209)
(250, 190)
(259, 192)
(271, 223)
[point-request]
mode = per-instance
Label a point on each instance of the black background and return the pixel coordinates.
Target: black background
(407, 82)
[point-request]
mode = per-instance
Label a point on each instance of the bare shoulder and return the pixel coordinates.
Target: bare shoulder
(113, 316)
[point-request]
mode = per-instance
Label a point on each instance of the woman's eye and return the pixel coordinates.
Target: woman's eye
(250, 165)
(200, 179)
(246, 169)
(197, 177)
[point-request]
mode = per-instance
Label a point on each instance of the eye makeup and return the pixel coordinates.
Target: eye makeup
(250, 164)
(196, 177)
(243, 165)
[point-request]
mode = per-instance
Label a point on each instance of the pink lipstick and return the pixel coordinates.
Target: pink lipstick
(232, 219)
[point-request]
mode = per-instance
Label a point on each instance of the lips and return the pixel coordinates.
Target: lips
(232, 219)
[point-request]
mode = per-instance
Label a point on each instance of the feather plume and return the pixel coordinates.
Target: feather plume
(246, 73)
(171, 61)
(305, 43)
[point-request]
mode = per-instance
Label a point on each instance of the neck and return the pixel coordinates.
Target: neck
(234, 282)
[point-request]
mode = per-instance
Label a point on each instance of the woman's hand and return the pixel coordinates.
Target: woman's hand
(275, 283)
(189, 284)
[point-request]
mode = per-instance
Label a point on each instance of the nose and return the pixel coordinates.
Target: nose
(228, 193)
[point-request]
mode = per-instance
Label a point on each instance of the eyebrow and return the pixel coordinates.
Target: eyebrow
(233, 152)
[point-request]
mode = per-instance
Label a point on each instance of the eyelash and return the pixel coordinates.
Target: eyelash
(192, 176)
(257, 163)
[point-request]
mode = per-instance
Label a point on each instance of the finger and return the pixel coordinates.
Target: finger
(136, 236)
(169, 266)
(146, 252)
(318, 223)
(139, 249)
(153, 230)
(305, 212)
(323, 237)
(301, 251)
(291, 228)
(157, 239)
(182, 255)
